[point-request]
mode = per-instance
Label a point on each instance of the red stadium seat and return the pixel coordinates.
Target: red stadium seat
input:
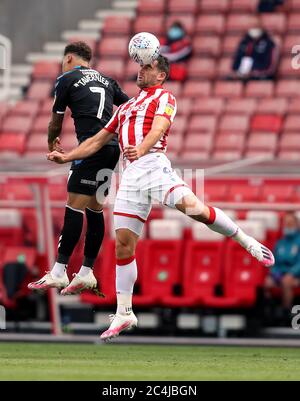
(277, 193)
(27, 108)
(161, 271)
(243, 6)
(288, 88)
(230, 45)
(210, 24)
(12, 142)
(179, 125)
(46, 107)
(206, 45)
(243, 193)
(266, 123)
(209, 105)
(11, 254)
(224, 68)
(40, 124)
(204, 124)
(193, 156)
(11, 232)
(183, 7)
(113, 47)
(175, 142)
(227, 155)
(88, 40)
(240, 23)
(294, 23)
(39, 90)
(201, 273)
(154, 7)
(184, 106)
(289, 42)
(260, 89)
(214, 6)
(131, 70)
(20, 124)
(200, 142)
(174, 87)
(234, 123)
(273, 106)
(230, 141)
(292, 123)
(262, 141)
(188, 21)
(294, 106)
(286, 69)
(290, 142)
(149, 24)
(38, 143)
(196, 89)
(115, 25)
(215, 192)
(242, 276)
(241, 106)
(130, 89)
(46, 69)
(294, 5)
(274, 22)
(112, 68)
(289, 156)
(228, 89)
(16, 192)
(201, 68)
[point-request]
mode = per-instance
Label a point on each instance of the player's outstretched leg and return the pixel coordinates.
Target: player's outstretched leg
(219, 222)
(126, 275)
(85, 279)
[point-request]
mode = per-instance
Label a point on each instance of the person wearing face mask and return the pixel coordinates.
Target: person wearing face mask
(257, 55)
(177, 47)
(286, 271)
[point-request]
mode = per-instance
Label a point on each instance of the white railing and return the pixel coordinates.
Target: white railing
(5, 67)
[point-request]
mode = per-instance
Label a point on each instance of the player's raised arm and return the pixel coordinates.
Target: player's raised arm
(84, 150)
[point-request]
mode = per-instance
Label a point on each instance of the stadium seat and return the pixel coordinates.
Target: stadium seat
(224, 68)
(259, 89)
(179, 125)
(243, 193)
(11, 232)
(196, 89)
(131, 70)
(273, 106)
(163, 229)
(241, 106)
(290, 156)
(231, 122)
(214, 6)
(175, 142)
(112, 68)
(183, 7)
(16, 192)
(40, 124)
(149, 24)
(188, 21)
(46, 70)
(230, 45)
(204, 124)
(289, 141)
(215, 192)
(286, 69)
(293, 25)
(38, 143)
(226, 155)
(230, 141)
(210, 24)
(288, 88)
(46, 107)
(277, 193)
(289, 42)
(266, 123)
(27, 108)
(201, 68)
(208, 105)
(243, 6)
(240, 23)
(174, 87)
(201, 142)
(115, 25)
(228, 89)
(17, 124)
(12, 253)
(12, 142)
(40, 90)
(206, 45)
(274, 22)
(113, 47)
(184, 106)
(294, 5)
(157, 7)
(193, 156)
(294, 106)
(292, 123)
(262, 141)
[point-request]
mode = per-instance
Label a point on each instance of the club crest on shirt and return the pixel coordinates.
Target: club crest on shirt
(169, 109)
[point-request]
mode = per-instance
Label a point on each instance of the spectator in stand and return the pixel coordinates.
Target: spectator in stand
(266, 6)
(286, 271)
(177, 47)
(257, 55)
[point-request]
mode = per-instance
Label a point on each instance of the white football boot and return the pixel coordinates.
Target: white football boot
(260, 252)
(80, 283)
(48, 281)
(118, 324)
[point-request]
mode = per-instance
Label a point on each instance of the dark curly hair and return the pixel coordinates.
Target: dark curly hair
(163, 65)
(80, 49)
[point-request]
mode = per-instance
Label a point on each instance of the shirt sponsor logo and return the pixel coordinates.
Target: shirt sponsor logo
(169, 109)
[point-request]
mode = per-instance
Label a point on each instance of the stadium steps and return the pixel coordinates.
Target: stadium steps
(102, 14)
(54, 47)
(125, 5)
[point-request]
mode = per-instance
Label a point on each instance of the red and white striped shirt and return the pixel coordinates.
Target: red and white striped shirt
(133, 119)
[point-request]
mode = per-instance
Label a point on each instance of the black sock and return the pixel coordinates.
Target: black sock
(70, 234)
(94, 236)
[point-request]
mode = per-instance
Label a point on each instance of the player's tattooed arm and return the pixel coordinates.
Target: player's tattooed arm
(159, 126)
(84, 150)
(54, 130)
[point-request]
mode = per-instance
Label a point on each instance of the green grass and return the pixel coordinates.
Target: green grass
(123, 362)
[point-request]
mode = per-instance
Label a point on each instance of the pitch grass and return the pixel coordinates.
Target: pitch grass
(28, 361)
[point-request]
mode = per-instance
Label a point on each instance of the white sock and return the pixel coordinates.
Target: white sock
(221, 223)
(58, 270)
(126, 275)
(84, 271)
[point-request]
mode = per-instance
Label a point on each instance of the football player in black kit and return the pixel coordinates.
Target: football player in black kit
(90, 97)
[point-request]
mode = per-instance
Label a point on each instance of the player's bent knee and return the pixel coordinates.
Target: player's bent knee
(192, 207)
